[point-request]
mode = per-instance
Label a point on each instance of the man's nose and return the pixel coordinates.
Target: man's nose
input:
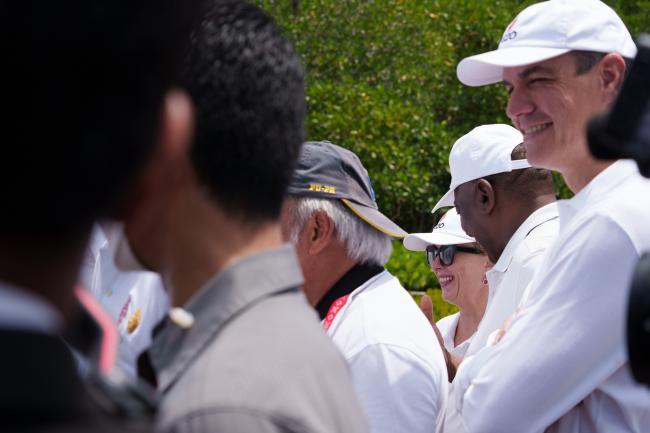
(519, 104)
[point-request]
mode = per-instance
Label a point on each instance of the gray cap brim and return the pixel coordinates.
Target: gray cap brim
(376, 219)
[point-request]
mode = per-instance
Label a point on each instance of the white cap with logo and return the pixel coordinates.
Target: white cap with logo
(448, 231)
(485, 150)
(546, 30)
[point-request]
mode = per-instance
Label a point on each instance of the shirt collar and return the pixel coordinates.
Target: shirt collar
(605, 182)
(23, 310)
(229, 292)
(352, 279)
(535, 219)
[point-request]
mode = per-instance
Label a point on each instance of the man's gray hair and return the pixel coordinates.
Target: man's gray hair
(363, 243)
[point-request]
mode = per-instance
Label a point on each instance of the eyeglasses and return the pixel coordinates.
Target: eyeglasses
(447, 253)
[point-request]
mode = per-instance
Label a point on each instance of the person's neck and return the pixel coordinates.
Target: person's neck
(468, 320)
(47, 267)
(323, 271)
(513, 218)
(577, 179)
(207, 242)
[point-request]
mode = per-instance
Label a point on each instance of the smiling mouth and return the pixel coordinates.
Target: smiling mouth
(444, 281)
(536, 128)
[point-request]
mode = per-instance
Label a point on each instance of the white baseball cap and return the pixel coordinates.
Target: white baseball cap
(485, 150)
(546, 30)
(447, 232)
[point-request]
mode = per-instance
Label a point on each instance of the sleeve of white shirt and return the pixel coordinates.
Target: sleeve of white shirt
(396, 390)
(558, 350)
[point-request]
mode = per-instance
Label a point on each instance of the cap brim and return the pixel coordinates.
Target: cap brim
(447, 200)
(487, 68)
(376, 219)
(420, 241)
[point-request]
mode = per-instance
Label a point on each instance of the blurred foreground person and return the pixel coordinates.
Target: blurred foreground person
(343, 242)
(82, 127)
(242, 351)
(563, 61)
(460, 265)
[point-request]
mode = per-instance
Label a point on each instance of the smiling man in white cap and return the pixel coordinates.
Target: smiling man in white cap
(560, 364)
(343, 242)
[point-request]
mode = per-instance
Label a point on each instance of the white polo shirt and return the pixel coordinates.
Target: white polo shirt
(562, 365)
(136, 301)
(399, 375)
(447, 326)
(514, 270)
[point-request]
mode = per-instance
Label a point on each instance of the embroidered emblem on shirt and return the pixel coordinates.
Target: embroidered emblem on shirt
(134, 321)
(124, 310)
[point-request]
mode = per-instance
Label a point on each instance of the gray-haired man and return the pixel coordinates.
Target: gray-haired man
(343, 242)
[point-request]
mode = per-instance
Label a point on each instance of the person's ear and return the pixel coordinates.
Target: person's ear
(485, 199)
(611, 73)
(320, 232)
(172, 139)
(176, 128)
(176, 125)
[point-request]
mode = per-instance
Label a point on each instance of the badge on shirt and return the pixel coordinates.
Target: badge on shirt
(134, 321)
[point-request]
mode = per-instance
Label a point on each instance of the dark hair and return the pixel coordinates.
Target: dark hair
(585, 60)
(247, 84)
(527, 183)
(85, 82)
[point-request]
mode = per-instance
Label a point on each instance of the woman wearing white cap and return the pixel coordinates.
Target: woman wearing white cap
(459, 265)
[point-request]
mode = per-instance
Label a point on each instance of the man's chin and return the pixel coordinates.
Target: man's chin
(538, 155)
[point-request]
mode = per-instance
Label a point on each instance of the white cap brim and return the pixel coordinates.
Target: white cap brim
(447, 200)
(487, 68)
(420, 241)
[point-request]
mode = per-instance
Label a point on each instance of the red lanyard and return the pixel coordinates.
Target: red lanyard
(334, 310)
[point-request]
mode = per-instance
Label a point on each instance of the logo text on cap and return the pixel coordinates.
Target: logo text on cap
(509, 36)
(322, 188)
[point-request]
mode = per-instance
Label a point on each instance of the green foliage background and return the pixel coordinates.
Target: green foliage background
(381, 81)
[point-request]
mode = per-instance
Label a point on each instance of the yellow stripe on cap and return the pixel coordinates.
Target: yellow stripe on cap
(381, 229)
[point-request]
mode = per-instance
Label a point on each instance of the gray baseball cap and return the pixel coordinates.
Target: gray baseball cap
(326, 170)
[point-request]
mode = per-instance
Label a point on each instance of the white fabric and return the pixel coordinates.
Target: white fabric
(136, 301)
(546, 30)
(448, 231)
(23, 310)
(399, 375)
(447, 326)
(513, 272)
(562, 364)
(483, 151)
(120, 250)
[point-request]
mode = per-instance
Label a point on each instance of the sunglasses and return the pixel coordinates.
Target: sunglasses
(446, 253)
